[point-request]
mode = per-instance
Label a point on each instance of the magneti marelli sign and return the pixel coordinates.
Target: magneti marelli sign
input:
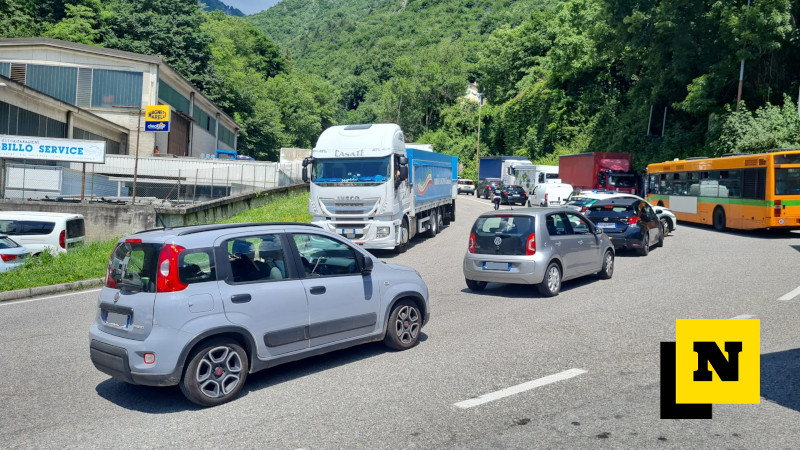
(52, 149)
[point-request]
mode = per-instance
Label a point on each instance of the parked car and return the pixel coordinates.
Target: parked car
(204, 306)
(550, 194)
(466, 186)
(12, 255)
(540, 246)
(44, 231)
(489, 187)
(513, 194)
(629, 221)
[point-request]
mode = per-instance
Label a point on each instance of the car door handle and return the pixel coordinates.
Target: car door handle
(558, 244)
(316, 290)
(240, 298)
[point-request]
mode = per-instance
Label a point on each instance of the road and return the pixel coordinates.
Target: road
(476, 344)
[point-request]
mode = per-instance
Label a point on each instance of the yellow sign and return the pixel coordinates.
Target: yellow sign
(156, 118)
(717, 361)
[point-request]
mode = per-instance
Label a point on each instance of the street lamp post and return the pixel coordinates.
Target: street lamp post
(136, 155)
(478, 150)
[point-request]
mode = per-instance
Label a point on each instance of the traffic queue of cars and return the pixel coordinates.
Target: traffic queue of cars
(544, 246)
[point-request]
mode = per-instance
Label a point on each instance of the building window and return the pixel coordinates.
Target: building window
(112, 147)
(58, 82)
(205, 121)
(19, 121)
(114, 87)
(226, 136)
(172, 97)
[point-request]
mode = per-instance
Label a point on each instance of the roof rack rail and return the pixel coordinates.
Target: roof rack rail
(692, 158)
(222, 226)
(725, 155)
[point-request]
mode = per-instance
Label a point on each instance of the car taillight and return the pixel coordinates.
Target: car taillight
(472, 243)
(62, 239)
(167, 278)
(546, 195)
(776, 212)
(530, 245)
(633, 220)
(583, 210)
(110, 281)
(7, 258)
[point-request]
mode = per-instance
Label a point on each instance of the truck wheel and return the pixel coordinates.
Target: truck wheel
(453, 212)
(447, 214)
(433, 224)
(403, 245)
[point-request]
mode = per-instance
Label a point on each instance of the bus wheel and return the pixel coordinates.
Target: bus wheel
(660, 203)
(719, 219)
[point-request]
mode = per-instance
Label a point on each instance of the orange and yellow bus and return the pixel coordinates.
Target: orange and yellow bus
(738, 191)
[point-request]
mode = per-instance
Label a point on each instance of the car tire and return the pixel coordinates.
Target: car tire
(433, 223)
(645, 248)
(476, 286)
(403, 246)
(403, 326)
(551, 284)
(665, 225)
(608, 266)
(719, 219)
(201, 383)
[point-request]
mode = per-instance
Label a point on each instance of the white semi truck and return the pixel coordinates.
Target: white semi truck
(368, 185)
(523, 173)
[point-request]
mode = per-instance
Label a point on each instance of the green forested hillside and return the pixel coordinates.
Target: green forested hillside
(559, 76)
(655, 78)
(216, 5)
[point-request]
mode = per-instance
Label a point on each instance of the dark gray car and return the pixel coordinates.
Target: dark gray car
(203, 306)
(541, 246)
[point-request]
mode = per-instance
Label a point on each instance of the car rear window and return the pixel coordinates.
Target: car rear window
(75, 228)
(26, 227)
(7, 243)
(512, 231)
(595, 208)
(133, 266)
(467, 182)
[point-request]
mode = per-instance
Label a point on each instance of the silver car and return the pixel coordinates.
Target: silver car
(204, 306)
(541, 246)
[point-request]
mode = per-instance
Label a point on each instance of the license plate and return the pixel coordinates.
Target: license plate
(606, 225)
(488, 265)
(117, 320)
(346, 231)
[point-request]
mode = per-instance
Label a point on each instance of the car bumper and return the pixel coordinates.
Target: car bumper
(623, 241)
(519, 271)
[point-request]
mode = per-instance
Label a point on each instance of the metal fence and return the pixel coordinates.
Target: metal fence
(173, 181)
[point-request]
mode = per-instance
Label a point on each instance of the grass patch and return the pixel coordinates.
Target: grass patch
(90, 261)
(282, 208)
(82, 263)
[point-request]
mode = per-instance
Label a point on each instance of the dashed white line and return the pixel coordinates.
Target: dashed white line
(492, 396)
(743, 317)
(790, 295)
(17, 302)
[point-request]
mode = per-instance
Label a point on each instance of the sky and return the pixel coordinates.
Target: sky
(250, 6)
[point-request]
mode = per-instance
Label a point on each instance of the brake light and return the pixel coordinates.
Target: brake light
(633, 220)
(546, 195)
(583, 210)
(110, 282)
(776, 212)
(133, 241)
(530, 244)
(472, 243)
(167, 277)
(62, 239)
(7, 258)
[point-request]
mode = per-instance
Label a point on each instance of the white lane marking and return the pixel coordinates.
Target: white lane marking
(492, 396)
(743, 317)
(16, 302)
(790, 295)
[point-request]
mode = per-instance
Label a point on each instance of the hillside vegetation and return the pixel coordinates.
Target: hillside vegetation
(655, 78)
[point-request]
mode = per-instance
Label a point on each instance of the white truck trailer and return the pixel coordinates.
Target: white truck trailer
(527, 175)
(368, 185)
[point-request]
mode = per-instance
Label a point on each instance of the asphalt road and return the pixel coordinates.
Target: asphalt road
(475, 344)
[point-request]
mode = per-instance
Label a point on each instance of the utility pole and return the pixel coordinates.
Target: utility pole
(136, 157)
(741, 73)
(478, 151)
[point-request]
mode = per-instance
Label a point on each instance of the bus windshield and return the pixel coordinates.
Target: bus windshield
(351, 171)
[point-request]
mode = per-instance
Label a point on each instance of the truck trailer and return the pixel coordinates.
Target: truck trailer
(527, 175)
(368, 185)
(492, 166)
(598, 170)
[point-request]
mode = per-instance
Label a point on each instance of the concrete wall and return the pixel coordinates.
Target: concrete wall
(106, 221)
(204, 142)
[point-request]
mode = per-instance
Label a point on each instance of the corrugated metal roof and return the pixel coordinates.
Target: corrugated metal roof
(13, 42)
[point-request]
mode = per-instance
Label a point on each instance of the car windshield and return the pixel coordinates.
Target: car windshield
(622, 180)
(502, 234)
(351, 171)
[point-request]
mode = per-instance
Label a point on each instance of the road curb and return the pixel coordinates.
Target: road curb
(6, 296)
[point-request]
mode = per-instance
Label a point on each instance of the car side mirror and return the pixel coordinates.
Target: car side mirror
(598, 231)
(306, 163)
(365, 263)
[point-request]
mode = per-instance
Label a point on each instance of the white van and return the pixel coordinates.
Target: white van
(550, 194)
(43, 231)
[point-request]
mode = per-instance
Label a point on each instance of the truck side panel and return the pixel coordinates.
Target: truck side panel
(432, 175)
(578, 170)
